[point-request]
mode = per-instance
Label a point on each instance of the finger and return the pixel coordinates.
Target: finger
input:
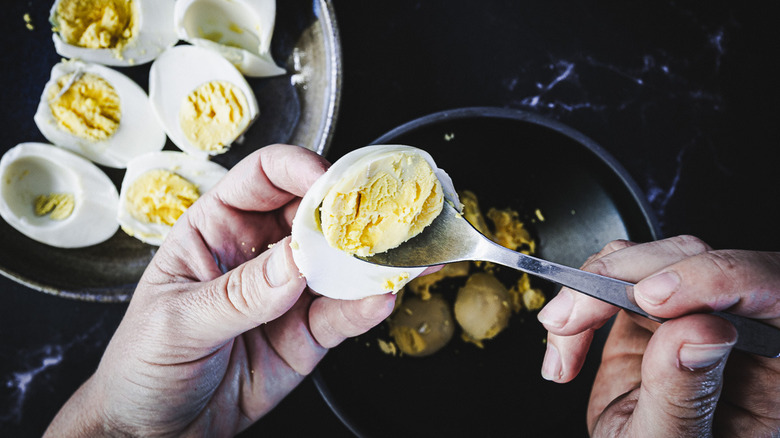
(568, 343)
(256, 292)
(621, 365)
(332, 321)
(744, 282)
(626, 262)
(270, 177)
(291, 338)
(557, 315)
(682, 377)
(565, 356)
(245, 202)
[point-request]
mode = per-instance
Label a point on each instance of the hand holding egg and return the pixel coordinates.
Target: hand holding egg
(221, 325)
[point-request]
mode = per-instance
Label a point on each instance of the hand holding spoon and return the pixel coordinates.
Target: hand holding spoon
(451, 238)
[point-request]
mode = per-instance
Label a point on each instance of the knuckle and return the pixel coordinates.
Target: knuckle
(609, 248)
(617, 245)
(689, 245)
(601, 266)
(724, 267)
(237, 293)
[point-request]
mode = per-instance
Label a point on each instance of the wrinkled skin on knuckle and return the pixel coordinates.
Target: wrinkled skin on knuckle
(238, 289)
(689, 245)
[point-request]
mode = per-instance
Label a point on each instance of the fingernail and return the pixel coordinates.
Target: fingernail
(658, 288)
(552, 367)
(556, 313)
(276, 268)
(697, 356)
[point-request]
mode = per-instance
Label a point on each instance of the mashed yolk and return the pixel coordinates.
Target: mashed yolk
(510, 231)
(381, 206)
(214, 115)
(88, 108)
(96, 24)
(409, 340)
(472, 212)
(160, 197)
(58, 206)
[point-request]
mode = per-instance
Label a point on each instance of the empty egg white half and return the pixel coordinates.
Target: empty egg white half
(30, 170)
(176, 74)
(138, 130)
(239, 30)
(149, 29)
(203, 174)
(333, 272)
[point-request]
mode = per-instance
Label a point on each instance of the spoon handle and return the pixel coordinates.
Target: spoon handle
(752, 336)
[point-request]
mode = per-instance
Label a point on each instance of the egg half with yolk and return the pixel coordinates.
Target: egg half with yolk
(112, 32)
(202, 101)
(158, 188)
(98, 113)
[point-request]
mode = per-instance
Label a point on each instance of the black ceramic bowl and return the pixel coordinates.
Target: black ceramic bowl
(525, 162)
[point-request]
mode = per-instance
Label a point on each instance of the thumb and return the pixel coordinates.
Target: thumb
(682, 377)
(255, 292)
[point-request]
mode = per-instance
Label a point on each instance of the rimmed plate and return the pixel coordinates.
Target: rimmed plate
(299, 108)
(525, 162)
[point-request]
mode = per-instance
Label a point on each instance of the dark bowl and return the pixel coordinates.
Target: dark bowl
(525, 162)
(300, 108)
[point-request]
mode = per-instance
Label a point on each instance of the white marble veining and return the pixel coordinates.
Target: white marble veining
(18, 382)
(39, 366)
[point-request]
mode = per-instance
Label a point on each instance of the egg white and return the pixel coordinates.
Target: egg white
(202, 173)
(332, 272)
(31, 169)
(255, 19)
(139, 131)
(153, 35)
(178, 72)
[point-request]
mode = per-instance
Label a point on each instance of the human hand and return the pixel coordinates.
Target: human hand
(678, 378)
(221, 327)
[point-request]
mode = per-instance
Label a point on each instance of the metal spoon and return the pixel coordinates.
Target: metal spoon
(451, 238)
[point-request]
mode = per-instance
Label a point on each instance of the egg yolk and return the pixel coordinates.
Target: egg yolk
(58, 206)
(85, 105)
(160, 196)
(96, 24)
(213, 115)
(510, 231)
(381, 206)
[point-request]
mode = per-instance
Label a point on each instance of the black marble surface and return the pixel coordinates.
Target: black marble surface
(683, 94)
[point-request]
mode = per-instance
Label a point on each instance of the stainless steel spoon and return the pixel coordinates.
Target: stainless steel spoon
(451, 238)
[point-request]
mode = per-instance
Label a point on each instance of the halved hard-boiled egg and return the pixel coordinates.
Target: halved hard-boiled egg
(158, 188)
(202, 101)
(56, 197)
(98, 113)
(113, 32)
(371, 200)
(240, 30)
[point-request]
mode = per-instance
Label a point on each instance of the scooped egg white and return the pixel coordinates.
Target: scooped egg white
(330, 271)
(31, 169)
(242, 19)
